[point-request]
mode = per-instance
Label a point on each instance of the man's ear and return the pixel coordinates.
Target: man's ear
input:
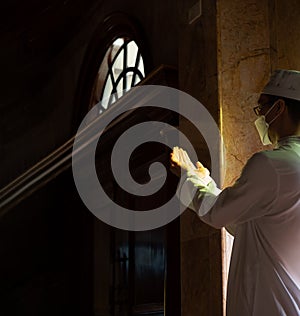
(280, 106)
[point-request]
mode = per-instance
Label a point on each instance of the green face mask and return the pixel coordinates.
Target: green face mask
(263, 127)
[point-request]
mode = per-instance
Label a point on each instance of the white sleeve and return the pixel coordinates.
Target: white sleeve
(196, 194)
(252, 195)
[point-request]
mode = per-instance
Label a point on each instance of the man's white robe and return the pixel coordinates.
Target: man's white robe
(263, 207)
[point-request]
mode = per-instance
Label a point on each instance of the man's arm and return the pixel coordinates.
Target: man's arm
(252, 196)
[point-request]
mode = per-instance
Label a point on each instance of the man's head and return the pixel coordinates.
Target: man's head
(279, 103)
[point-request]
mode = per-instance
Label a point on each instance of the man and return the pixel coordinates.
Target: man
(262, 207)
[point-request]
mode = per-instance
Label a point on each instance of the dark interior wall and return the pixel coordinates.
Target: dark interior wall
(45, 245)
(46, 254)
(43, 47)
(201, 273)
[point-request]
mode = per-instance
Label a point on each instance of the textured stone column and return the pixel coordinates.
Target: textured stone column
(243, 67)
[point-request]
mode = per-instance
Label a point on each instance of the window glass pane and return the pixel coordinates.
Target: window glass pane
(115, 47)
(118, 42)
(137, 79)
(129, 80)
(132, 51)
(141, 67)
(107, 92)
(120, 88)
(118, 65)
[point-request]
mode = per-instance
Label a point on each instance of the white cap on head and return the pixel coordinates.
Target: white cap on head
(284, 83)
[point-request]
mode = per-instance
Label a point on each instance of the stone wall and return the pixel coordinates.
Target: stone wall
(244, 66)
(254, 38)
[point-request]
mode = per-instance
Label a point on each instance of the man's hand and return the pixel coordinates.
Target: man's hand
(201, 171)
(181, 160)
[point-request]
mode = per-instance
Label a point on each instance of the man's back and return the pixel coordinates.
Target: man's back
(265, 266)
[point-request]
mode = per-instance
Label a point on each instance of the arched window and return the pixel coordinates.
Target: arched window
(121, 69)
(116, 59)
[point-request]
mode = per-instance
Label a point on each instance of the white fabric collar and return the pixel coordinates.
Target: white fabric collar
(288, 139)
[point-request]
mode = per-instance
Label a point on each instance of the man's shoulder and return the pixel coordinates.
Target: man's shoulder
(278, 157)
(272, 154)
(260, 161)
(262, 156)
(265, 161)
